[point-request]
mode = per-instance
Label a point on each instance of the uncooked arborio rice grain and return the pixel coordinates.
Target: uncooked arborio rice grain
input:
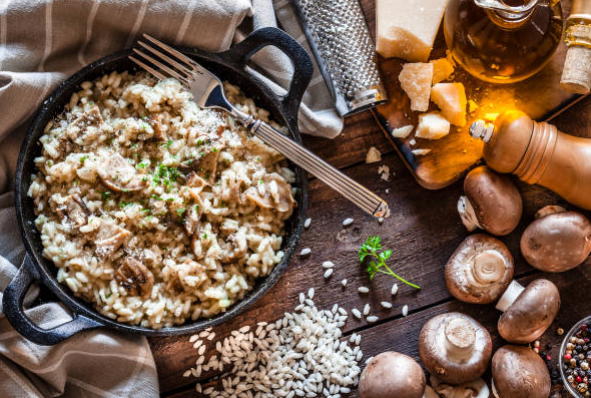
(301, 355)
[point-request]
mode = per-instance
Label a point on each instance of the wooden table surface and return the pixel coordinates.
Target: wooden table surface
(423, 231)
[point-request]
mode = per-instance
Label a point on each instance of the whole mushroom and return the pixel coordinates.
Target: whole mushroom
(392, 375)
(558, 240)
(455, 348)
(518, 372)
(480, 270)
(472, 389)
(527, 312)
(491, 202)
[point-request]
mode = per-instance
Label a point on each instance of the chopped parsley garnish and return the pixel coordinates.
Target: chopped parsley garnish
(134, 145)
(204, 236)
(168, 143)
(83, 159)
(105, 195)
(143, 164)
(181, 211)
(214, 149)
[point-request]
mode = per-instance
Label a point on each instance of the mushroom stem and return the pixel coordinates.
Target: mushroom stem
(467, 214)
(489, 267)
(510, 295)
(459, 338)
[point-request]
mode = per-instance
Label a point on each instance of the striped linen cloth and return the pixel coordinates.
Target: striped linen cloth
(42, 42)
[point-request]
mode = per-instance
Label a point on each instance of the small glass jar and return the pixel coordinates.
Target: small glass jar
(562, 361)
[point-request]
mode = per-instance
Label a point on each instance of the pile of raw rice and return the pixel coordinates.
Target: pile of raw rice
(300, 355)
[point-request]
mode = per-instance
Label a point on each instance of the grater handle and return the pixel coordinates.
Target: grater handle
(302, 63)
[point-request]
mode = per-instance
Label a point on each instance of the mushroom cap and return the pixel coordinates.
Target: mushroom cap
(392, 375)
(518, 372)
(557, 242)
(455, 348)
(496, 201)
(480, 270)
(531, 313)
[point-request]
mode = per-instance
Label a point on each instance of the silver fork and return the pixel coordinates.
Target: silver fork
(208, 92)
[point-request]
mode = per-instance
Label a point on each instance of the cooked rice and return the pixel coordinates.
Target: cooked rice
(154, 210)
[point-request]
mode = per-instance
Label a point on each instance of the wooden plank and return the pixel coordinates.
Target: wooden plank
(359, 134)
(401, 333)
(423, 231)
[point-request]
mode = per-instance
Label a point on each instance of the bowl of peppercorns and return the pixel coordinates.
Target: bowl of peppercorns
(575, 359)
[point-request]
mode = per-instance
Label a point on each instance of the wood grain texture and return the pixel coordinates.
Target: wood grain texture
(423, 231)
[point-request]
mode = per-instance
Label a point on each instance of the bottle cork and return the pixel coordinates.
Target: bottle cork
(576, 75)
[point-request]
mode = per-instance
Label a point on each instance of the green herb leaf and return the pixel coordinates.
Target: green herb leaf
(372, 248)
(83, 159)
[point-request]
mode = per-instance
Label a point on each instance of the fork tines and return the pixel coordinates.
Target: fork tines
(163, 61)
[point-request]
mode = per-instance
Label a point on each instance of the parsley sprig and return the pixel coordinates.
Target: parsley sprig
(373, 248)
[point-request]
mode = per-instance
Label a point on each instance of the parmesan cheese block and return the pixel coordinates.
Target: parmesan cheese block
(451, 99)
(432, 126)
(415, 80)
(442, 70)
(407, 29)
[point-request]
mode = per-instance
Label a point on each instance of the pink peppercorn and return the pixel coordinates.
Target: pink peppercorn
(567, 357)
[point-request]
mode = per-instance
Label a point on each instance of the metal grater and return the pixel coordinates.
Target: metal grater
(343, 48)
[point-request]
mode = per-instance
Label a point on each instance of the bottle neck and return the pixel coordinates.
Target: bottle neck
(508, 16)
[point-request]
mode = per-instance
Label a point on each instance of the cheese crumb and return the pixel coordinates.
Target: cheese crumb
(373, 155)
(442, 70)
(415, 80)
(451, 99)
(420, 152)
(402, 132)
(472, 106)
(432, 126)
(384, 172)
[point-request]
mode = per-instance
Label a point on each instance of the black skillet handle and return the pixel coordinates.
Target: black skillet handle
(12, 304)
(302, 63)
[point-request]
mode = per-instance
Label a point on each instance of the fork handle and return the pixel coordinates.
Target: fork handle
(350, 189)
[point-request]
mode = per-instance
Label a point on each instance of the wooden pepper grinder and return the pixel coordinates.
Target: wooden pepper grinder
(538, 153)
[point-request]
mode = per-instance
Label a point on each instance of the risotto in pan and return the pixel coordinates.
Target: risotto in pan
(154, 210)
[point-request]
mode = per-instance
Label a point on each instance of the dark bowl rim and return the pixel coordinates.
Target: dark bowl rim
(78, 305)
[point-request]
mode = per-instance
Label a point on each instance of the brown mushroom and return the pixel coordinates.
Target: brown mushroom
(557, 241)
(135, 277)
(455, 348)
(276, 193)
(72, 207)
(527, 312)
(193, 216)
(472, 389)
(86, 128)
(491, 202)
(235, 248)
(518, 372)
(392, 375)
(118, 175)
(480, 270)
(108, 237)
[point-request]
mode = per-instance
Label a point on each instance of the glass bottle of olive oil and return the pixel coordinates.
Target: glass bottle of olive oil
(503, 41)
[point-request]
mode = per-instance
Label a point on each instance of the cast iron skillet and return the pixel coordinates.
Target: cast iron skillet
(229, 65)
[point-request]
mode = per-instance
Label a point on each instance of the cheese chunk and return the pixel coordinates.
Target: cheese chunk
(432, 126)
(451, 99)
(442, 70)
(403, 132)
(407, 29)
(415, 80)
